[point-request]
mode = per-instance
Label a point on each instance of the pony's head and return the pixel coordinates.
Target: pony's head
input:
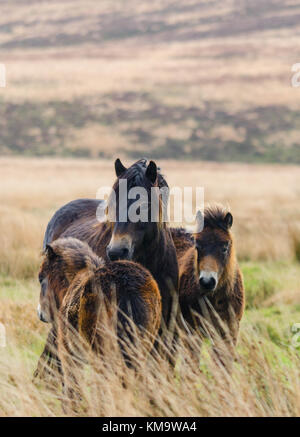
(61, 262)
(214, 246)
(138, 209)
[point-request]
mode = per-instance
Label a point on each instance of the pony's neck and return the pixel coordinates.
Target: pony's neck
(153, 255)
(160, 255)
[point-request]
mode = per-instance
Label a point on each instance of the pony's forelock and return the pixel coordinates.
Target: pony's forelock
(214, 217)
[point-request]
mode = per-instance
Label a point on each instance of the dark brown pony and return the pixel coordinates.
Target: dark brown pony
(211, 290)
(83, 292)
(148, 243)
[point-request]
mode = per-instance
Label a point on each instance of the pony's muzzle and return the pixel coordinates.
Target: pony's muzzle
(120, 247)
(208, 280)
(41, 315)
(117, 253)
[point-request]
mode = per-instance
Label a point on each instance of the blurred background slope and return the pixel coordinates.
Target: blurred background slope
(207, 80)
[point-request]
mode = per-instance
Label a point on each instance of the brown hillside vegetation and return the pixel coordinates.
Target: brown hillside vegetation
(195, 79)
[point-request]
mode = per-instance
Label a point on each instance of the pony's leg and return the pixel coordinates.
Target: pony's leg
(224, 350)
(221, 326)
(91, 302)
(73, 351)
(69, 349)
(49, 365)
(71, 391)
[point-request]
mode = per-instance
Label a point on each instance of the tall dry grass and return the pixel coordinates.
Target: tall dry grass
(261, 383)
(264, 201)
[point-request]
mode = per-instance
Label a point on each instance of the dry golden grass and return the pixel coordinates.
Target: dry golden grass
(264, 382)
(265, 204)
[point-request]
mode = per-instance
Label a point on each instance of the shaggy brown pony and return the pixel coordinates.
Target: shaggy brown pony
(75, 286)
(211, 290)
(148, 243)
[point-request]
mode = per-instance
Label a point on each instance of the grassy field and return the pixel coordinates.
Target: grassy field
(207, 80)
(265, 202)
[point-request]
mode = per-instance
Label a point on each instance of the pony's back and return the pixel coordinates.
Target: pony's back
(120, 296)
(121, 289)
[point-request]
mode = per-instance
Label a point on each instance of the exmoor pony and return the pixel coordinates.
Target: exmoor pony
(77, 286)
(211, 290)
(148, 243)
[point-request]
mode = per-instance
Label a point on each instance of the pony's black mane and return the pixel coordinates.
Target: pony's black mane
(182, 233)
(214, 217)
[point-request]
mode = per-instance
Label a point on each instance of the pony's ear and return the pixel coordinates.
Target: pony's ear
(151, 172)
(119, 167)
(50, 252)
(228, 220)
(199, 221)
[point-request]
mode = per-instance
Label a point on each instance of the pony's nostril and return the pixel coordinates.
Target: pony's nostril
(41, 315)
(212, 283)
(112, 254)
(125, 253)
(208, 283)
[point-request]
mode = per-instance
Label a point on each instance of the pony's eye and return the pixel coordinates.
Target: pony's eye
(225, 248)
